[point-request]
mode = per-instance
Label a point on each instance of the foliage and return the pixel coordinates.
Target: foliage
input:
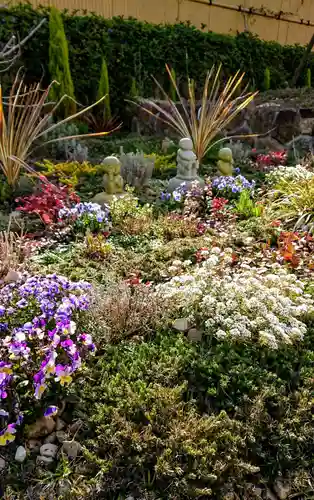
(103, 89)
(172, 90)
(156, 400)
(42, 346)
(127, 206)
(121, 40)
(219, 106)
(12, 251)
(127, 309)
(97, 247)
(271, 159)
(59, 66)
(267, 79)
(26, 122)
(70, 173)
(86, 217)
(164, 166)
(47, 202)
(293, 202)
(249, 305)
(281, 175)
(246, 208)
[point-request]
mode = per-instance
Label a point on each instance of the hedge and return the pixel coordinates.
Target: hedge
(135, 49)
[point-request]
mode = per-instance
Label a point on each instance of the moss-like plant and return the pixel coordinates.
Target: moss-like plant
(59, 66)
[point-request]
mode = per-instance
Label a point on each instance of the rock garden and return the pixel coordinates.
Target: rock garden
(156, 283)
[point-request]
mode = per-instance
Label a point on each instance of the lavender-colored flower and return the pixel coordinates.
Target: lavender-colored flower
(51, 411)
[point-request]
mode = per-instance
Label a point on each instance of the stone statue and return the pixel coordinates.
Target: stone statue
(112, 181)
(225, 162)
(187, 166)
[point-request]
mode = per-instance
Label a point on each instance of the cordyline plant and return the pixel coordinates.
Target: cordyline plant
(202, 124)
(26, 122)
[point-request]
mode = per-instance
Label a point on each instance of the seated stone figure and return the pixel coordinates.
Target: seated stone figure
(187, 166)
(112, 181)
(225, 162)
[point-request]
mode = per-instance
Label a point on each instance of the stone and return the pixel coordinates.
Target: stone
(71, 448)
(186, 144)
(20, 454)
(282, 489)
(187, 166)
(112, 181)
(75, 427)
(60, 424)
(49, 450)
(61, 436)
(301, 144)
(34, 445)
(2, 463)
(182, 324)
(51, 438)
(287, 124)
(195, 335)
(44, 461)
(41, 428)
(12, 276)
(225, 162)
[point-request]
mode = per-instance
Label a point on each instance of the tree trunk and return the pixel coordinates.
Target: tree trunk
(302, 62)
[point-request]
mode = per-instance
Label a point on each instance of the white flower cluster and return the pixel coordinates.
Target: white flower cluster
(250, 304)
(297, 173)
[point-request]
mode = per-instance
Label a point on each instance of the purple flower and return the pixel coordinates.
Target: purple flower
(51, 411)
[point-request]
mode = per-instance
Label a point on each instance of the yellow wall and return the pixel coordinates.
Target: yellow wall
(220, 17)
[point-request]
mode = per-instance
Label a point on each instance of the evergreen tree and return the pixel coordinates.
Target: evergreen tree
(267, 79)
(173, 92)
(59, 65)
(103, 89)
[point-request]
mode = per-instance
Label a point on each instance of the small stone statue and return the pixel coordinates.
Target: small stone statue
(112, 181)
(187, 166)
(225, 162)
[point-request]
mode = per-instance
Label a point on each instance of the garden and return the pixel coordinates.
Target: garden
(156, 267)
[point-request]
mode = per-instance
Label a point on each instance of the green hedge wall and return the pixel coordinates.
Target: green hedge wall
(139, 49)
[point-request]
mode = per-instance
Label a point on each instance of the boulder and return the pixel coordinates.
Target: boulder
(49, 450)
(288, 125)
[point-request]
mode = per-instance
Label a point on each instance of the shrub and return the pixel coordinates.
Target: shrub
(204, 124)
(287, 174)
(249, 305)
(126, 309)
(246, 208)
(267, 79)
(92, 36)
(292, 203)
(103, 89)
(41, 345)
(47, 202)
(127, 207)
(59, 66)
